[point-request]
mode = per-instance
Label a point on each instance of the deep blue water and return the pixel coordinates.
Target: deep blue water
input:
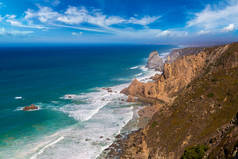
(41, 75)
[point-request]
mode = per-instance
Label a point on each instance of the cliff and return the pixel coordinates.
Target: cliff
(197, 93)
(175, 77)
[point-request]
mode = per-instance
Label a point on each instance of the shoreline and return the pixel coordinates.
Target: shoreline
(182, 122)
(142, 113)
(136, 123)
(148, 108)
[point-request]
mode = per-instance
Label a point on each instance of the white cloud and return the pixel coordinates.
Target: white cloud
(44, 14)
(84, 20)
(171, 33)
(14, 22)
(73, 15)
(230, 27)
(77, 34)
(55, 2)
(143, 21)
(203, 32)
(10, 16)
(148, 33)
(213, 19)
(11, 19)
(80, 28)
(3, 31)
(17, 32)
(114, 20)
(77, 16)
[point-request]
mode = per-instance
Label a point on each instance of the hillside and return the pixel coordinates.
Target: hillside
(198, 97)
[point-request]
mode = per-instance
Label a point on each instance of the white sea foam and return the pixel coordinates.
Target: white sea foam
(135, 67)
(69, 96)
(47, 146)
(17, 98)
(143, 68)
(87, 141)
(122, 79)
(139, 74)
(146, 74)
(94, 101)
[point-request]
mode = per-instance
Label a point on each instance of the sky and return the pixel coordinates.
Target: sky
(181, 22)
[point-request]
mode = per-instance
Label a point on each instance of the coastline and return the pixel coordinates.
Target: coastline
(143, 111)
(196, 113)
(149, 106)
(91, 114)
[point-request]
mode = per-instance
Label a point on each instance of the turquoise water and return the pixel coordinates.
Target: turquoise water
(66, 128)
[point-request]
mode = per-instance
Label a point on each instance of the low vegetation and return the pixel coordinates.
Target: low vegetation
(195, 152)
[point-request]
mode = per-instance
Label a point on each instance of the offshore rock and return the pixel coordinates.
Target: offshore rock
(31, 107)
(155, 61)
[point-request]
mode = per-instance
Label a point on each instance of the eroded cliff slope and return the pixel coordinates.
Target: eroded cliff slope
(200, 102)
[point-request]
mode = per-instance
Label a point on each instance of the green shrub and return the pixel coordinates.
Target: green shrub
(195, 152)
(154, 124)
(210, 95)
(214, 80)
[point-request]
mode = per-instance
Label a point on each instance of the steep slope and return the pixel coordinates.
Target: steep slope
(200, 103)
(176, 76)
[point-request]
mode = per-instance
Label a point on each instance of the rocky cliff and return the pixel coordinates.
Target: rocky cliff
(199, 98)
(176, 75)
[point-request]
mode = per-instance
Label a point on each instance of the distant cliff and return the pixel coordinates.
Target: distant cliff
(198, 100)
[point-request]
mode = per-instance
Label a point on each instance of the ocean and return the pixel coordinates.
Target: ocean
(63, 127)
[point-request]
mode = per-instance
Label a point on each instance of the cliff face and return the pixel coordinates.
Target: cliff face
(200, 97)
(178, 74)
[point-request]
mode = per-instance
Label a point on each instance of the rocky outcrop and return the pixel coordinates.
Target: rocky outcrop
(200, 101)
(175, 76)
(131, 99)
(178, 74)
(155, 61)
(31, 107)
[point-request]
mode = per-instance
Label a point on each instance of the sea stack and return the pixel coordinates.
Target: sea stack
(155, 61)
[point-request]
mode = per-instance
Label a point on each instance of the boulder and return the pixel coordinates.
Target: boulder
(109, 90)
(131, 99)
(155, 61)
(31, 107)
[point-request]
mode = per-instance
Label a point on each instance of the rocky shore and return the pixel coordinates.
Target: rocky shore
(191, 107)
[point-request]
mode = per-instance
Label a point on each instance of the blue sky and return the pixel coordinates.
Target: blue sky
(185, 22)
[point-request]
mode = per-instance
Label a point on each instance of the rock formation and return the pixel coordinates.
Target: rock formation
(31, 107)
(175, 76)
(131, 99)
(198, 94)
(155, 61)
